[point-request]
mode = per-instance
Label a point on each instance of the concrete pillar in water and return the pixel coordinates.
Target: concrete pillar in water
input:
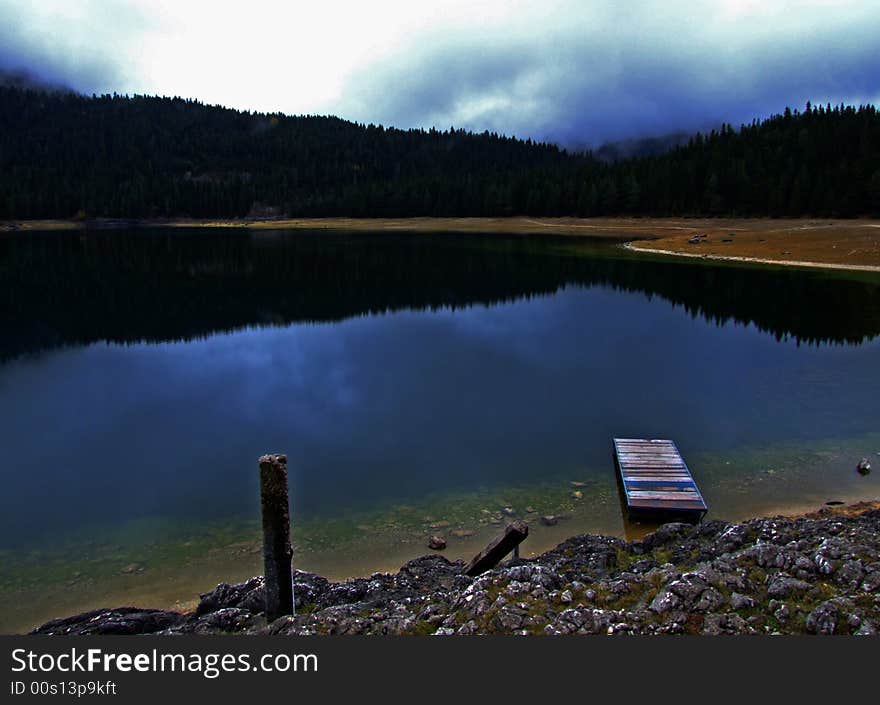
(277, 550)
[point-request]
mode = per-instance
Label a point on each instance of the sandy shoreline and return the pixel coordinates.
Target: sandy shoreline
(713, 578)
(181, 593)
(636, 247)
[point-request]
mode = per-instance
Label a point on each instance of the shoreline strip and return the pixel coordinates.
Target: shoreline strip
(633, 246)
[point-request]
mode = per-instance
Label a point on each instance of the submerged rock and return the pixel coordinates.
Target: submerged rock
(437, 543)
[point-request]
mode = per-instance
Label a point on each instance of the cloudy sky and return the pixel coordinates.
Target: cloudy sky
(579, 73)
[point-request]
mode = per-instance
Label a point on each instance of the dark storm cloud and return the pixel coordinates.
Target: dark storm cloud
(79, 46)
(591, 84)
(25, 65)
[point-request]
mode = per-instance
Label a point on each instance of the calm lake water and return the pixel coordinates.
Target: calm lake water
(418, 385)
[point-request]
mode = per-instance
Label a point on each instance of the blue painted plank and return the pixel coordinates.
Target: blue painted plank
(655, 476)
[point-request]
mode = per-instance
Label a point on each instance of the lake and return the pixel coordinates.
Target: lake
(418, 383)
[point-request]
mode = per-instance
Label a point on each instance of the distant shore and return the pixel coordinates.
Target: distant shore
(833, 244)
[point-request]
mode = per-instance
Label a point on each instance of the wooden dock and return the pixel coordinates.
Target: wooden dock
(655, 479)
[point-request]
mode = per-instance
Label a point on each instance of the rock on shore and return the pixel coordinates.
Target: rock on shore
(817, 575)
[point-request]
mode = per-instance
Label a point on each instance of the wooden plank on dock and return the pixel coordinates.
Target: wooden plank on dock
(655, 477)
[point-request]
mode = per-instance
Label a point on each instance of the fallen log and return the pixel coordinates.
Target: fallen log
(499, 547)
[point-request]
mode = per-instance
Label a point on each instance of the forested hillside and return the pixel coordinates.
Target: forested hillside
(66, 155)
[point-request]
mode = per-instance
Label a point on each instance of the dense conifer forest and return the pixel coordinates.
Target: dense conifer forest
(66, 155)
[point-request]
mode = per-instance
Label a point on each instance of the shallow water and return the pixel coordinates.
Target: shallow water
(413, 381)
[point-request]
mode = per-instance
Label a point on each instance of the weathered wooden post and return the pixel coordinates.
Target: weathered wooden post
(277, 550)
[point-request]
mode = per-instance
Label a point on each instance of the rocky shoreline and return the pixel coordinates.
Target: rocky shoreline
(814, 574)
